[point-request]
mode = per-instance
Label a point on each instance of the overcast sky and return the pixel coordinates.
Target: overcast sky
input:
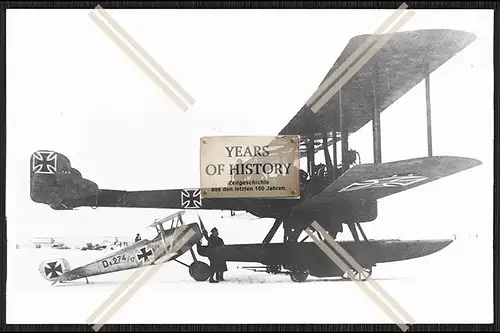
(72, 90)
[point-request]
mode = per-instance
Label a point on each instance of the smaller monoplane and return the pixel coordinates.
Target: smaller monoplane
(168, 245)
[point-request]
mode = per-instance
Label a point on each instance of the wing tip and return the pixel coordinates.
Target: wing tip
(463, 163)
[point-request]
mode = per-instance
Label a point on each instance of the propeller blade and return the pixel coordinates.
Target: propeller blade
(203, 230)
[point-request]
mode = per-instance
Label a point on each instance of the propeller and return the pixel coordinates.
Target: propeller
(203, 230)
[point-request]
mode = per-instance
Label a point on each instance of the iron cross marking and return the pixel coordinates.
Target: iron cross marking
(190, 199)
(145, 254)
(53, 270)
(394, 181)
(45, 162)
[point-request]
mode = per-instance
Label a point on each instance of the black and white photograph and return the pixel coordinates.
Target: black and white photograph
(387, 220)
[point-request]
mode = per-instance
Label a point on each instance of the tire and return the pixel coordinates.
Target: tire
(200, 271)
(299, 275)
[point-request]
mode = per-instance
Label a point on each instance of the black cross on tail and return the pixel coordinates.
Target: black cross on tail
(54, 270)
(45, 162)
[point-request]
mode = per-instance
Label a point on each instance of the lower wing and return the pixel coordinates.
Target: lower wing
(375, 181)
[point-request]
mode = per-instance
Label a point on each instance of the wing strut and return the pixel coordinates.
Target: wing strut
(328, 159)
(343, 135)
(377, 144)
(429, 120)
(310, 155)
(334, 153)
(272, 231)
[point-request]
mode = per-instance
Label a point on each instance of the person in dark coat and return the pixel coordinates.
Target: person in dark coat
(138, 238)
(218, 265)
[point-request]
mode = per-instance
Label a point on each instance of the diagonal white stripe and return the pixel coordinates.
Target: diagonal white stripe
(150, 271)
(359, 269)
(143, 60)
(364, 286)
(391, 19)
(152, 62)
(382, 40)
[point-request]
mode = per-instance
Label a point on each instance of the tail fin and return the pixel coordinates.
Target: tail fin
(52, 270)
(53, 180)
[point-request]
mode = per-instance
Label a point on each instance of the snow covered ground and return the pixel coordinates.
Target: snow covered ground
(451, 286)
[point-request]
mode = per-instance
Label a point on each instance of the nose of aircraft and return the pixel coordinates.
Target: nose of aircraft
(188, 237)
(194, 228)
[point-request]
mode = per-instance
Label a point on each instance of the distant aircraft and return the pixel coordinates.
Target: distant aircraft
(339, 193)
(39, 241)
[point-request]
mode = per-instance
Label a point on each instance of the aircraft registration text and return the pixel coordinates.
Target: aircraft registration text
(116, 260)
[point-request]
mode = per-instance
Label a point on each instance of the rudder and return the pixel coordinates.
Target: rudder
(53, 269)
(53, 181)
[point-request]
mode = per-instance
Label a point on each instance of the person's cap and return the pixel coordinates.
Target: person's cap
(214, 230)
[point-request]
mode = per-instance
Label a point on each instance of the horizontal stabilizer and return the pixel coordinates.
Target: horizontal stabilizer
(375, 181)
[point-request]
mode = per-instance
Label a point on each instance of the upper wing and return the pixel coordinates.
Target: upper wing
(405, 60)
(375, 181)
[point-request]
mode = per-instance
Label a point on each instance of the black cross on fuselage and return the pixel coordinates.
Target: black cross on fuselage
(144, 254)
(53, 269)
(191, 199)
(43, 165)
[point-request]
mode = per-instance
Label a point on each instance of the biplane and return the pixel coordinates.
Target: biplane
(341, 192)
(168, 245)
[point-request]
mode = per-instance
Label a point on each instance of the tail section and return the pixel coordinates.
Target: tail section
(52, 270)
(53, 180)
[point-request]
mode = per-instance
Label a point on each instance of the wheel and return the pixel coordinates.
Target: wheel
(200, 271)
(367, 272)
(274, 269)
(299, 275)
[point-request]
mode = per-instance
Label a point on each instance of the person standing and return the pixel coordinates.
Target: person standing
(218, 265)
